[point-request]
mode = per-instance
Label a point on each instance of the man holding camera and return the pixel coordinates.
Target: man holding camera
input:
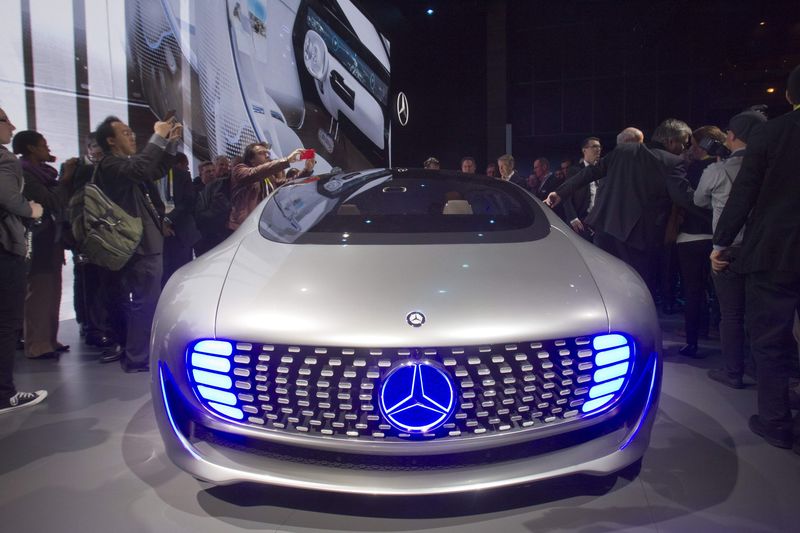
(765, 196)
(124, 175)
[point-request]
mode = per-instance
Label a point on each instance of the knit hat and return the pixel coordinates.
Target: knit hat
(743, 124)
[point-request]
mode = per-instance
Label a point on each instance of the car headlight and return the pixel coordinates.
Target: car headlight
(612, 365)
(209, 368)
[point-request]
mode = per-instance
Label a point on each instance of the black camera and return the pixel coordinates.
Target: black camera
(714, 148)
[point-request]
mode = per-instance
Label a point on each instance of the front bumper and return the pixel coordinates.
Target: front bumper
(225, 458)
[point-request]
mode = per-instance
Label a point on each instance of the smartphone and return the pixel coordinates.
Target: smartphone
(308, 154)
(169, 116)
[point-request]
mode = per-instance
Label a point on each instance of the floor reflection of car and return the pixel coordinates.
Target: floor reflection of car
(404, 332)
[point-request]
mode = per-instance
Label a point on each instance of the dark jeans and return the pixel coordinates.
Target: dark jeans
(13, 273)
(176, 254)
(729, 286)
(105, 315)
(140, 281)
(771, 300)
(695, 268)
(642, 261)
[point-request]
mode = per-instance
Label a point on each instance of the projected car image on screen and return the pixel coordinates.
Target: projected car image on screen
(400, 331)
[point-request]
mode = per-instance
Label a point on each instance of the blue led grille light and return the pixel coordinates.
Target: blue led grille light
(612, 362)
(210, 376)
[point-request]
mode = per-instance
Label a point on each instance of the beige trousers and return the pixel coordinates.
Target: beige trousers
(42, 303)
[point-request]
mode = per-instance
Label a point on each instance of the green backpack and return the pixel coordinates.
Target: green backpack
(104, 232)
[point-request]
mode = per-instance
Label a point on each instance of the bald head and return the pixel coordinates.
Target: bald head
(630, 135)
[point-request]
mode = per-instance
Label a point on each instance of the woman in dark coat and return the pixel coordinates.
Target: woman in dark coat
(43, 296)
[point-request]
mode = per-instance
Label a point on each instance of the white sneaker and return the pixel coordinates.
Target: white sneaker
(22, 399)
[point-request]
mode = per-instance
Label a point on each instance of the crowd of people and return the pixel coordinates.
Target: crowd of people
(674, 207)
(181, 218)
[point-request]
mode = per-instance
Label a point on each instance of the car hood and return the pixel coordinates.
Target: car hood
(360, 295)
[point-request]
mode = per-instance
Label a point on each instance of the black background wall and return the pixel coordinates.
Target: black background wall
(560, 71)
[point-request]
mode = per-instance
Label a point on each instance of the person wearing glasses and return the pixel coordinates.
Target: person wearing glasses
(14, 210)
(127, 176)
(633, 204)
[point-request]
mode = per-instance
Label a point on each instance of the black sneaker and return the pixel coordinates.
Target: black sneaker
(22, 399)
(720, 375)
(130, 367)
(112, 354)
(690, 350)
(778, 436)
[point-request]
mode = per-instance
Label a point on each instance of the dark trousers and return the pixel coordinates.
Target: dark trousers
(79, 285)
(103, 311)
(667, 275)
(695, 269)
(771, 300)
(140, 280)
(642, 261)
(13, 273)
(176, 254)
(729, 286)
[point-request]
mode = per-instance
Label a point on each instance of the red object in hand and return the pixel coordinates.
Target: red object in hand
(308, 154)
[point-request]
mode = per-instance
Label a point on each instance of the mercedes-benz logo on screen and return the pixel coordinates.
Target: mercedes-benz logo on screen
(415, 319)
(417, 397)
(402, 108)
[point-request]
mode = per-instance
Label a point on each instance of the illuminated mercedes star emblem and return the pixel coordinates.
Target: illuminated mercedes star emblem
(417, 397)
(402, 108)
(415, 319)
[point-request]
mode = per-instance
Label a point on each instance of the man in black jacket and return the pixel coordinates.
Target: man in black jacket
(765, 195)
(582, 200)
(631, 208)
(126, 177)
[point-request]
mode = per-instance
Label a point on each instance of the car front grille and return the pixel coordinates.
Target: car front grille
(334, 392)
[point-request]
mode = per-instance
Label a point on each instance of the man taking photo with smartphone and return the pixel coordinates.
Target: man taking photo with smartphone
(123, 175)
(257, 176)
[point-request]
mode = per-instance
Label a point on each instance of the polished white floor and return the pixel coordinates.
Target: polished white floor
(90, 459)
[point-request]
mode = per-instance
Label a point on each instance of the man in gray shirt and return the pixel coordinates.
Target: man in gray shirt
(713, 191)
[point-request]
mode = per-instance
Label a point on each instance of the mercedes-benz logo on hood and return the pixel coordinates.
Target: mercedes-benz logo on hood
(415, 319)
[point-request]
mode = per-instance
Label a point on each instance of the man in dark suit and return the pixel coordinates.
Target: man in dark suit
(126, 177)
(765, 195)
(505, 165)
(631, 208)
(582, 200)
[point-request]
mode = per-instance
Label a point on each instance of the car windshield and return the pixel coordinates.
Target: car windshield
(401, 206)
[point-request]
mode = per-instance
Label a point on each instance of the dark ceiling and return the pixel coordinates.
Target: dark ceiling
(579, 67)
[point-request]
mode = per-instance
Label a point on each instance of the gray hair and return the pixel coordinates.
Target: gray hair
(507, 158)
(671, 129)
(630, 135)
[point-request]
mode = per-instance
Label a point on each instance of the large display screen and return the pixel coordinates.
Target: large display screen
(295, 73)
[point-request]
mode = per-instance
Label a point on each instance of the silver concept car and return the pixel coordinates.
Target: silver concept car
(404, 332)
